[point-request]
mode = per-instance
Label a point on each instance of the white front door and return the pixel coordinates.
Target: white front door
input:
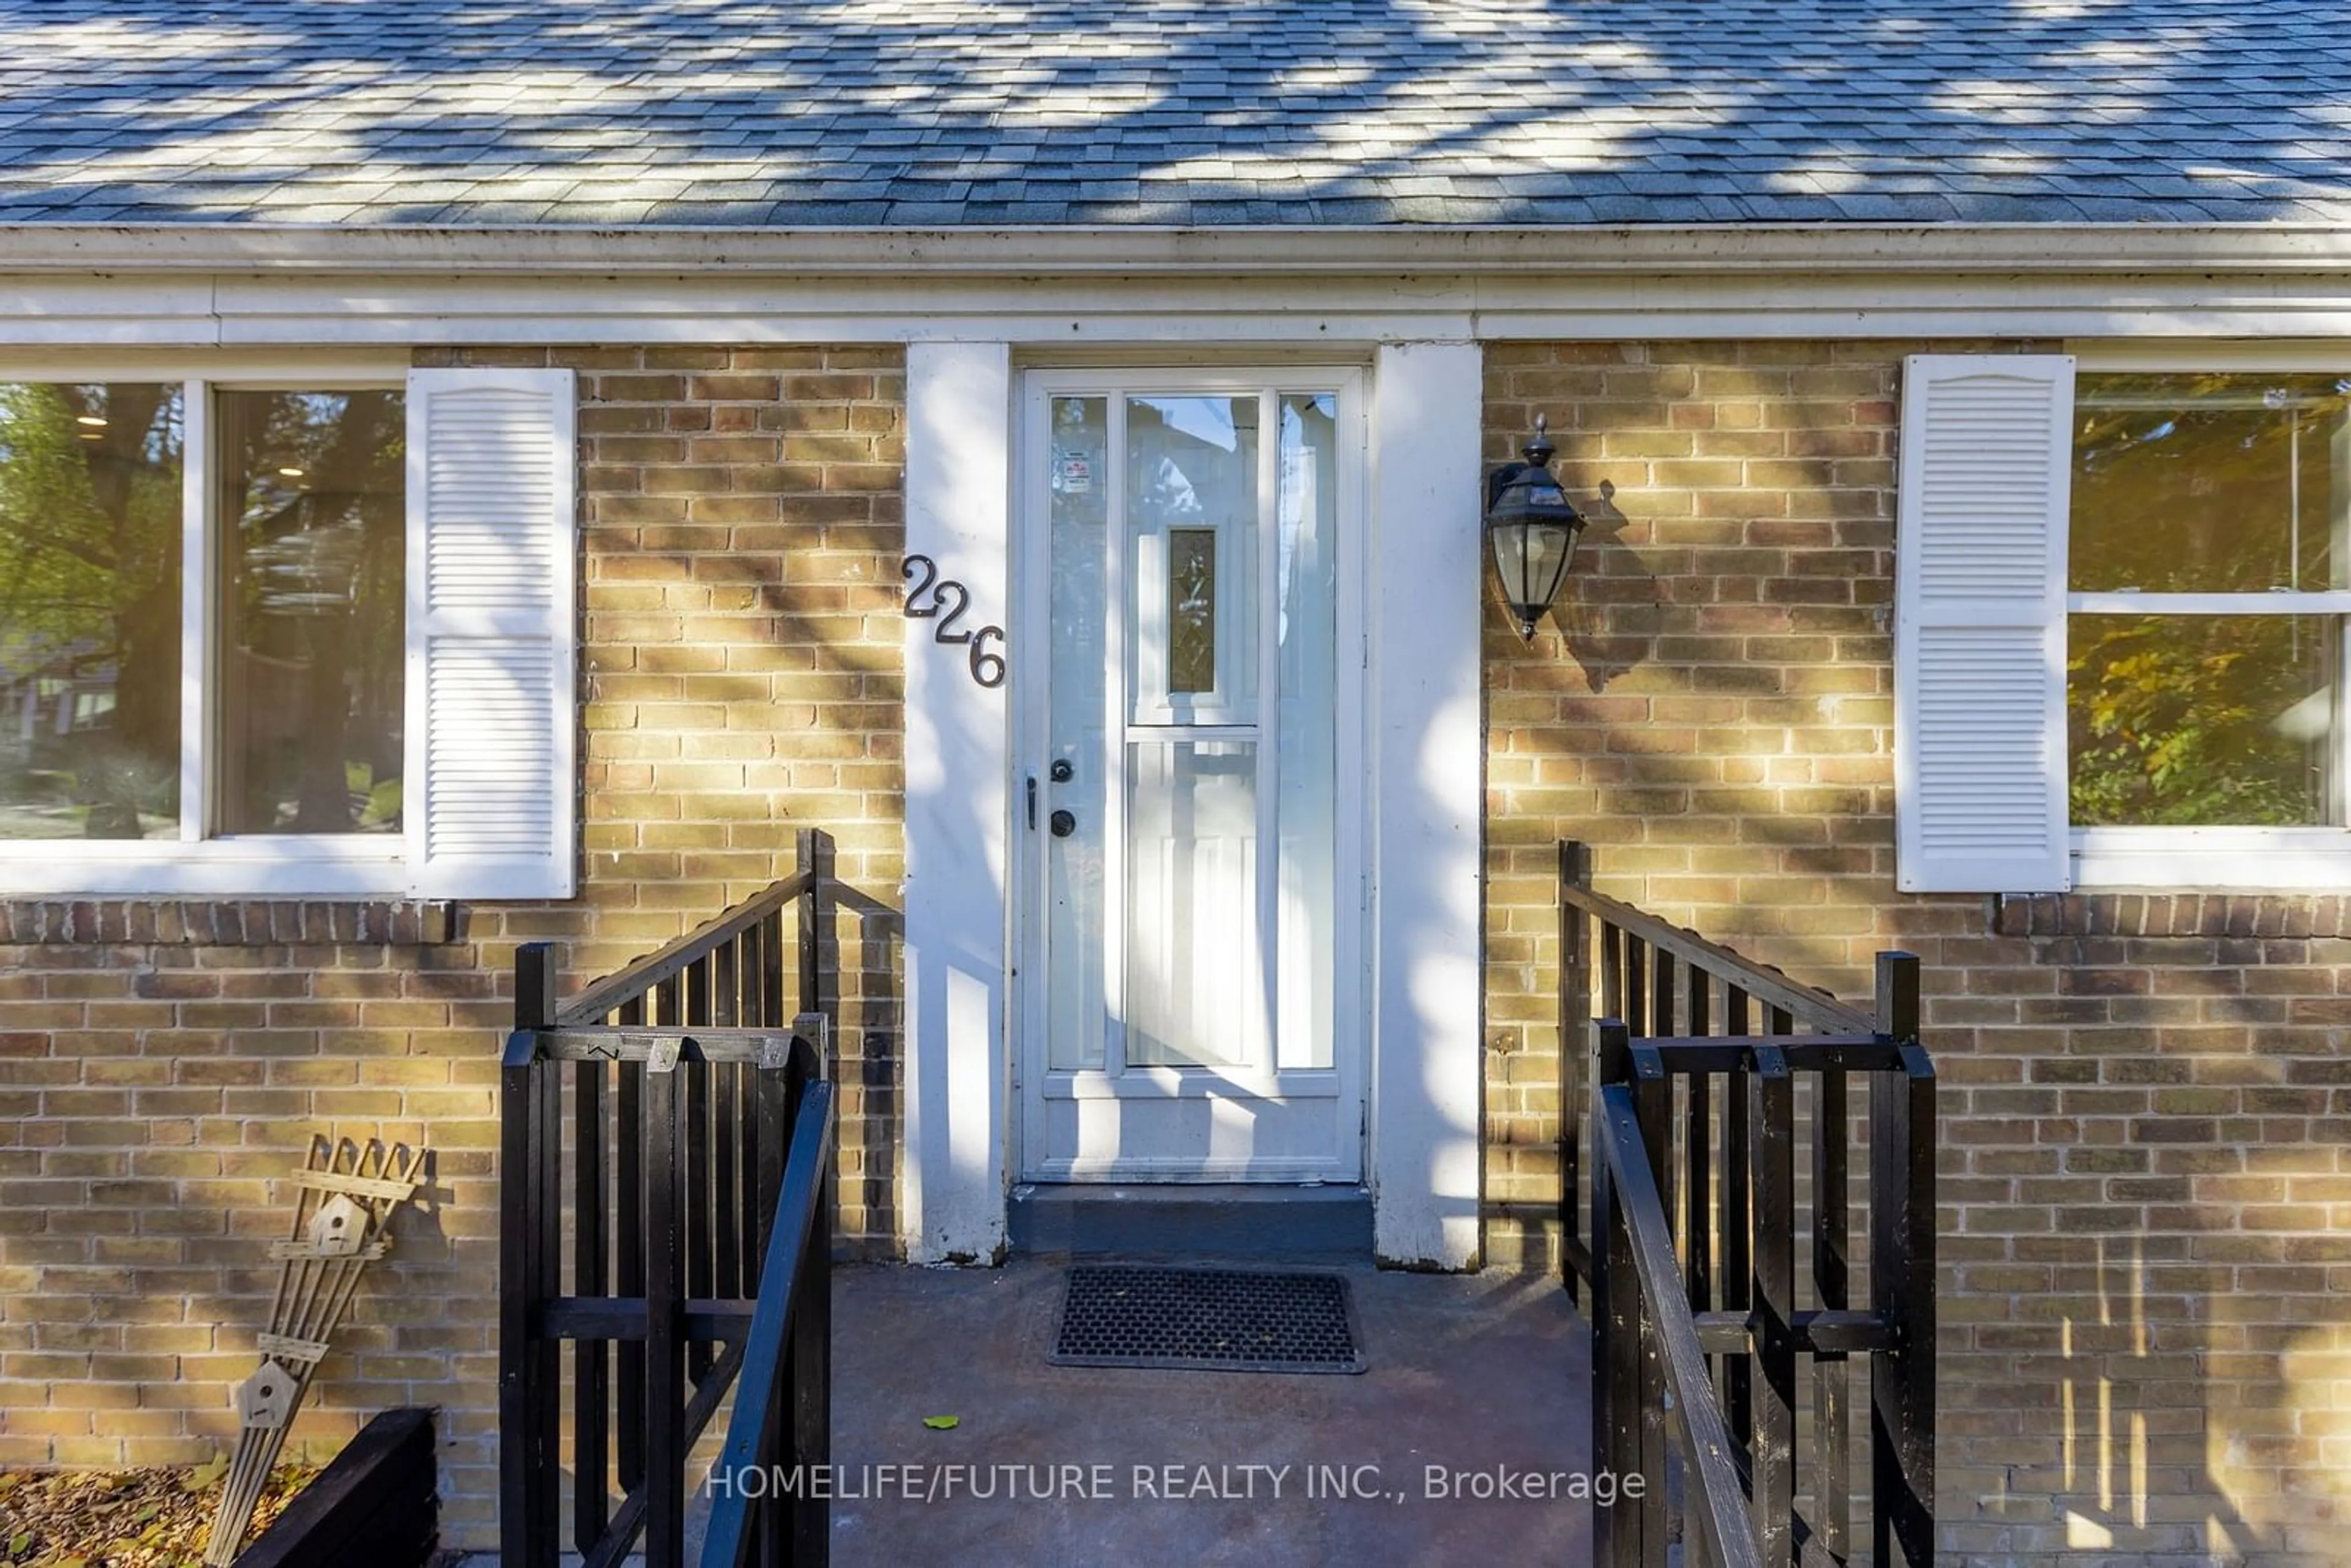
(1188, 789)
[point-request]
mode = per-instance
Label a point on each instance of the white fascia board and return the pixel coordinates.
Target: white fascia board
(1645, 250)
(1335, 313)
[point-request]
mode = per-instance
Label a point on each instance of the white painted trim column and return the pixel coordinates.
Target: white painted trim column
(959, 508)
(1427, 772)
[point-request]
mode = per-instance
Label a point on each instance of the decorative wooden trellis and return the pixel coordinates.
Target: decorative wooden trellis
(347, 1194)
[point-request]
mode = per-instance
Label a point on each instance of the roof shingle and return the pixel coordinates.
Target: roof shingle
(781, 113)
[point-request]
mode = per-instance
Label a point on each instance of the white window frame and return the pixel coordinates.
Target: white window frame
(2248, 859)
(193, 864)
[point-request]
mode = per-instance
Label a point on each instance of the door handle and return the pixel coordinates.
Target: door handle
(1064, 823)
(1032, 802)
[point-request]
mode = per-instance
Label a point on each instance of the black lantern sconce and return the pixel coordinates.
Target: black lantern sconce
(1531, 531)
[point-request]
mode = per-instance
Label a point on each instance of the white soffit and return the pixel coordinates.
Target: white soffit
(261, 286)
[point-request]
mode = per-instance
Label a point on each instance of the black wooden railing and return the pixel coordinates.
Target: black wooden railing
(1696, 1054)
(674, 1122)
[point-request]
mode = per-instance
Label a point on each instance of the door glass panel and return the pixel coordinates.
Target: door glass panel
(1194, 976)
(1079, 486)
(1192, 484)
(1306, 589)
(1172, 941)
(1191, 610)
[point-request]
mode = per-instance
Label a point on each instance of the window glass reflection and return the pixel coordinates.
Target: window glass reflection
(90, 611)
(2201, 720)
(2209, 483)
(311, 690)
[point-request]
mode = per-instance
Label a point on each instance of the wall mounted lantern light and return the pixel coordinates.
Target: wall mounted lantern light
(1531, 531)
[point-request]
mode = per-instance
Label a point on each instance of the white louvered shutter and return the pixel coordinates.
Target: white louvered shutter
(1980, 623)
(490, 789)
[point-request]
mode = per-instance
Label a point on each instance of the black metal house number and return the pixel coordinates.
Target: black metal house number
(987, 668)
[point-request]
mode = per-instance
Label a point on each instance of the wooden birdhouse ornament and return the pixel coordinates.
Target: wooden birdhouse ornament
(345, 1197)
(265, 1399)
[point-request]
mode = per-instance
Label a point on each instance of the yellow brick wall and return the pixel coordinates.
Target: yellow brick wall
(2146, 1334)
(741, 530)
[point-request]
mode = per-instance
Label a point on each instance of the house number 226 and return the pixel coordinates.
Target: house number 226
(987, 668)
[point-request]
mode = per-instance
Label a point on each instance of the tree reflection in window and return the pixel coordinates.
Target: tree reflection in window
(90, 611)
(2218, 484)
(311, 709)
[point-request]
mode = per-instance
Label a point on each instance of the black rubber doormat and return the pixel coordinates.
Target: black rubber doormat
(1208, 1320)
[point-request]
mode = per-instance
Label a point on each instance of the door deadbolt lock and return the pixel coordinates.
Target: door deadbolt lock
(1061, 772)
(1063, 823)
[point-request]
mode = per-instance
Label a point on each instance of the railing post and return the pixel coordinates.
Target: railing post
(1831, 1378)
(591, 1276)
(1774, 1301)
(1574, 1045)
(665, 1403)
(529, 1204)
(815, 849)
(807, 1367)
(1902, 1222)
(1697, 1133)
(1737, 1222)
(1615, 1325)
(1653, 1107)
(629, 1260)
(773, 1109)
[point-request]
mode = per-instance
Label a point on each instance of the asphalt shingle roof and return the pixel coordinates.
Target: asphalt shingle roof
(1196, 113)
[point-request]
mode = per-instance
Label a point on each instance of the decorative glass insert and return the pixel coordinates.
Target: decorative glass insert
(2202, 720)
(91, 526)
(313, 557)
(1191, 610)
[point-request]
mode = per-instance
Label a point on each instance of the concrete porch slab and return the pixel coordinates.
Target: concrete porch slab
(1480, 1376)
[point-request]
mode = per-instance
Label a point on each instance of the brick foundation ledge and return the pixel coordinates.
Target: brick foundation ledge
(232, 922)
(2286, 914)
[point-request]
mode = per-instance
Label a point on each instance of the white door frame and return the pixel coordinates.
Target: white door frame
(1423, 771)
(1346, 1081)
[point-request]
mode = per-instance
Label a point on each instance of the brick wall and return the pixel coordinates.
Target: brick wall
(740, 679)
(2147, 1216)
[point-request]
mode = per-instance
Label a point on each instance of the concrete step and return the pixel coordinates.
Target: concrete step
(1289, 1224)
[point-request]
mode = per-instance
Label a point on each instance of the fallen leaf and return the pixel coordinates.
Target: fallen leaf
(941, 1422)
(19, 1541)
(207, 1473)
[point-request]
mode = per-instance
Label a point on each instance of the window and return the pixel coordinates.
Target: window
(91, 482)
(2120, 627)
(221, 672)
(312, 526)
(2204, 639)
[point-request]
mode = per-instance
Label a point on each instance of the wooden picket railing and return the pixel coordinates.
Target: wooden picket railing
(1687, 1091)
(674, 1124)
